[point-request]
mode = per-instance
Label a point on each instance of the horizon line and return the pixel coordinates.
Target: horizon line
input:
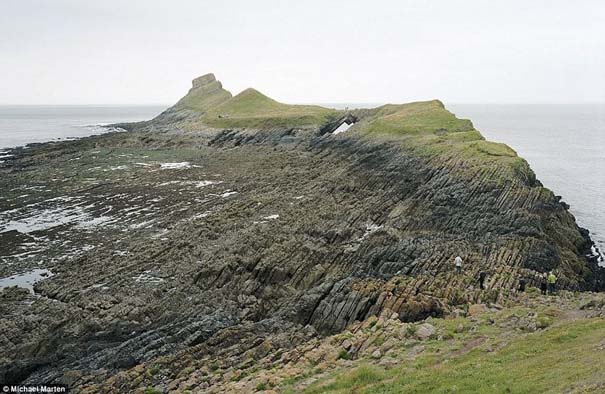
(367, 102)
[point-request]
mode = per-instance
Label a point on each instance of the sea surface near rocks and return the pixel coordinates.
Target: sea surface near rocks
(564, 144)
(25, 280)
(26, 124)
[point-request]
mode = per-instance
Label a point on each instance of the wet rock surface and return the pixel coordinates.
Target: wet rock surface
(212, 249)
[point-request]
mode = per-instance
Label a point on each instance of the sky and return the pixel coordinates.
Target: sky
(459, 51)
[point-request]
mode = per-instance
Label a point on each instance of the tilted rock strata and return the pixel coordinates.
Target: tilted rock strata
(274, 235)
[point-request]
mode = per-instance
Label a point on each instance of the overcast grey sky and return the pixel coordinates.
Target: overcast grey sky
(147, 51)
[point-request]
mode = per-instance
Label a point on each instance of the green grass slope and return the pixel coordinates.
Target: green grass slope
(252, 109)
(559, 360)
(416, 118)
(564, 355)
(430, 130)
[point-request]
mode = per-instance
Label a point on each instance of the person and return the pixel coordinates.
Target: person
(543, 284)
(552, 282)
(522, 284)
(482, 277)
(458, 264)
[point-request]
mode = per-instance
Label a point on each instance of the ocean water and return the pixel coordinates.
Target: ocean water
(564, 145)
(20, 125)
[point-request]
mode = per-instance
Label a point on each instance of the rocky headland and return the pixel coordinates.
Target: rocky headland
(218, 246)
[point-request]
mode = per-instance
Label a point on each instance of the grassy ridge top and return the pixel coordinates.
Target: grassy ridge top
(427, 127)
(418, 117)
(253, 109)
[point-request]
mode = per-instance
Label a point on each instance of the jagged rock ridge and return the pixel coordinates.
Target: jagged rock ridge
(205, 93)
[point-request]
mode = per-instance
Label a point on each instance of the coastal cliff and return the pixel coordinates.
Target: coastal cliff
(233, 228)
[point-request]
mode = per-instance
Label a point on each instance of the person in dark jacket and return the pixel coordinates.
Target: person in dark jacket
(522, 284)
(482, 277)
(543, 284)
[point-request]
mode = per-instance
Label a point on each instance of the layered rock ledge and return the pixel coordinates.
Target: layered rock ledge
(229, 227)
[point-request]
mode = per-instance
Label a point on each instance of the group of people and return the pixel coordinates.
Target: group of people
(548, 282)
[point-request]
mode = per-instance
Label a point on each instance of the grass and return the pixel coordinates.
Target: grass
(561, 358)
(426, 127)
(253, 109)
(204, 98)
(417, 118)
(343, 355)
(362, 376)
(494, 148)
(430, 125)
(430, 130)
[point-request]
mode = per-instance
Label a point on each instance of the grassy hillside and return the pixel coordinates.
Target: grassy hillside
(430, 130)
(533, 344)
(252, 109)
(416, 118)
(562, 359)
(425, 128)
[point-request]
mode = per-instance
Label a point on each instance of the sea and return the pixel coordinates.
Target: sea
(564, 144)
(25, 124)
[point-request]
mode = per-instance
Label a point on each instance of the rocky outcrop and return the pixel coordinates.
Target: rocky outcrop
(205, 93)
(232, 243)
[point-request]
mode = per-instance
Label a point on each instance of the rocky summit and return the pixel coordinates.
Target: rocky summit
(234, 243)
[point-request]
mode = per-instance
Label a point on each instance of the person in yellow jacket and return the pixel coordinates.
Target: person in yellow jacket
(552, 282)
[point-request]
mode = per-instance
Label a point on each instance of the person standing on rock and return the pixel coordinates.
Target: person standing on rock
(522, 284)
(482, 277)
(543, 283)
(458, 264)
(552, 282)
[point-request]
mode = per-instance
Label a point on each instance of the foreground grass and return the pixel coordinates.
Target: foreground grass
(564, 358)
